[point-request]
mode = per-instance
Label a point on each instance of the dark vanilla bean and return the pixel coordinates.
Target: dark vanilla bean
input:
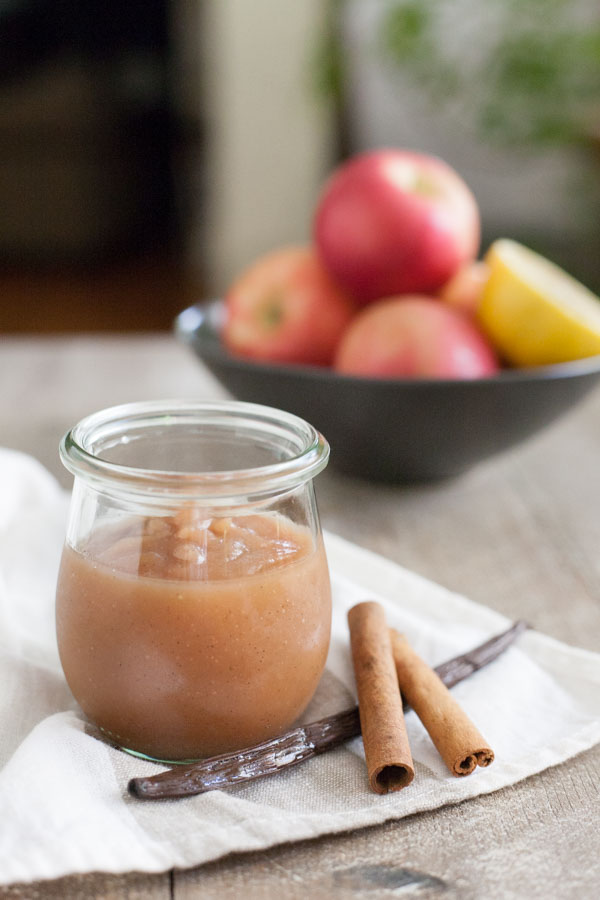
(300, 743)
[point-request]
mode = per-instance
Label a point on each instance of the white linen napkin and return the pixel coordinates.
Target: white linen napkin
(63, 794)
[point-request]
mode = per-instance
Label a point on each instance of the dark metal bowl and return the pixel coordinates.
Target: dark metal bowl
(397, 430)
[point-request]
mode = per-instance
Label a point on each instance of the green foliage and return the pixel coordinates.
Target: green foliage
(537, 81)
(407, 31)
(327, 69)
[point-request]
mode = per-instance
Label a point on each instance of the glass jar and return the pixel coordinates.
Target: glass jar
(193, 603)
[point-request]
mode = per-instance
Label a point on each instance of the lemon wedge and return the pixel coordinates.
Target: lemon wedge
(535, 313)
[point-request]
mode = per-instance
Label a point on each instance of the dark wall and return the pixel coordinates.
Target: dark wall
(86, 128)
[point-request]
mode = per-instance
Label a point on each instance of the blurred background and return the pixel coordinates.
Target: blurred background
(150, 150)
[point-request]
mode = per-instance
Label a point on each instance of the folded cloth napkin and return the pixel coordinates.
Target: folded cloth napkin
(63, 796)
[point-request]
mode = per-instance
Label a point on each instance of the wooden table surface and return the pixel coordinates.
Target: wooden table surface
(519, 533)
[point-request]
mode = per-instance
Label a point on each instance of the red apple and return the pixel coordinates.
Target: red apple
(465, 288)
(393, 222)
(285, 308)
(414, 336)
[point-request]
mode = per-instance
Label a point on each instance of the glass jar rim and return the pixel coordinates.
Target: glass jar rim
(77, 454)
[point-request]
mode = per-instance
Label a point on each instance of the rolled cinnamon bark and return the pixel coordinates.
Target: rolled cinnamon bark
(298, 745)
(387, 752)
(457, 740)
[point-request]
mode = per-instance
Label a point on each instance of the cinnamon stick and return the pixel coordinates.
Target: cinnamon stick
(387, 751)
(301, 743)
(456, 738)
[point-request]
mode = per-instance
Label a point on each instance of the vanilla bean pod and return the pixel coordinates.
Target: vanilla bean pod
(300, 743)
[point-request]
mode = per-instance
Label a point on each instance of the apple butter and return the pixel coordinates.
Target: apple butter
(184, 636)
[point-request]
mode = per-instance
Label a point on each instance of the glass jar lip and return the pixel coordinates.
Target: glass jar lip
(78, 457)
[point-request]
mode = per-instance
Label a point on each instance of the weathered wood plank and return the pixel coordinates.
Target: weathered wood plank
(532, 840)
(133, 886)
(520, 533)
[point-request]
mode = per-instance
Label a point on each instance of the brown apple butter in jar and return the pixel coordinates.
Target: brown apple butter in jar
(193, 604)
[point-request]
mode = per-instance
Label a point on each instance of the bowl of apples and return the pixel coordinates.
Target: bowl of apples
(414, 358)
